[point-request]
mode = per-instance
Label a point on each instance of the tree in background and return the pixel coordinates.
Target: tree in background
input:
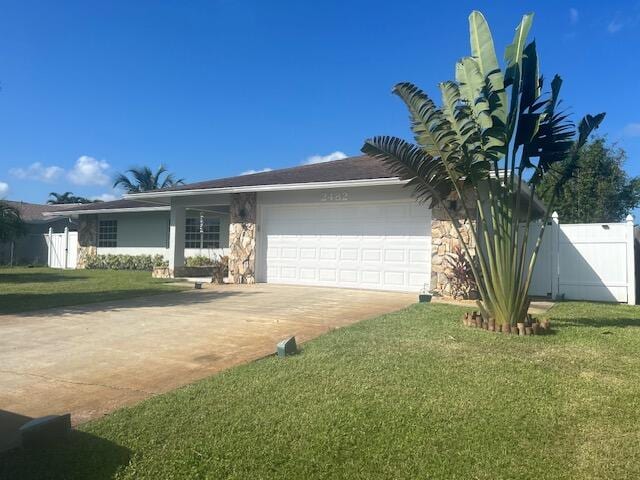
(490, 144)
(11, 224)
(143, 180)
(601, 191)
(67, 197)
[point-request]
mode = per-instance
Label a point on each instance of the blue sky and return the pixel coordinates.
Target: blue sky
(217, 88)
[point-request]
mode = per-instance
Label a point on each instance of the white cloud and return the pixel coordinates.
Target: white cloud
(4, 189)
(89, 171)
(632, 130)
(37, 171)
(249, 172)
(337, 155)
(105, 197)
(615, 26)
(573, 16)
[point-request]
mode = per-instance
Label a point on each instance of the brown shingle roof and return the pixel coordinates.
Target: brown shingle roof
(352, 168)
(32, 212)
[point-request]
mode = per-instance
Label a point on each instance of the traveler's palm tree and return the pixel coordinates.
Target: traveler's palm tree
(11, 224)
(489, 144)
(143, 180)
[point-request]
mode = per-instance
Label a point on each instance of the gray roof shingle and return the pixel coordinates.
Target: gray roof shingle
(352, 168)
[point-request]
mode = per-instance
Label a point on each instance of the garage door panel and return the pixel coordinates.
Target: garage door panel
(359, 246)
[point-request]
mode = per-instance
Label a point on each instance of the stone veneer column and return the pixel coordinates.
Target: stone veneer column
(444, 239)
(242, 238)
(87, 238)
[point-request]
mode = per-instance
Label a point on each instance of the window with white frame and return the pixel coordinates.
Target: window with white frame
(202, 232)
(108, 233)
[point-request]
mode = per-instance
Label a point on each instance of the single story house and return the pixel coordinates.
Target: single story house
(347, 223)
(31, 248)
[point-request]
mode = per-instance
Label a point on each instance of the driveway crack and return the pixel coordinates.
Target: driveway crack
(72, 382)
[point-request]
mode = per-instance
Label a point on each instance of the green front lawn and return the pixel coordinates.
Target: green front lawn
(408, 395)
(23, 289)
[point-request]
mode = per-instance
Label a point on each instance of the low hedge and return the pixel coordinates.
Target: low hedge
(125, 262)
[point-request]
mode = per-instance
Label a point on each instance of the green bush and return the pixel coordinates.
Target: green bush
(125, 262)
(200, 261)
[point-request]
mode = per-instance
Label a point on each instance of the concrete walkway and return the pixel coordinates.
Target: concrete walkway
(93, 359)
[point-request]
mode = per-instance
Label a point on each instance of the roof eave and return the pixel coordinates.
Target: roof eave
(268, 188)
(70, 213)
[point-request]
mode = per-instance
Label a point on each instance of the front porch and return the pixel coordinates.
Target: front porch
(238, 242)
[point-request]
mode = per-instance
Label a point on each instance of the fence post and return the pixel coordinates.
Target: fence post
(50, 237)
(631, 263)
(555, 256)
(66, 247)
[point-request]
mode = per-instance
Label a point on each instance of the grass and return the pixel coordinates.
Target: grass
(23, 289)
(407, 395)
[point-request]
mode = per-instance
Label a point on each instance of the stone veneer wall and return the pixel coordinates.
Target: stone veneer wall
(242, 238)
(444, 238)
(87, 238)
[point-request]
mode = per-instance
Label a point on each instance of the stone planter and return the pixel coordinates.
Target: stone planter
(529, 327)
(161, 272)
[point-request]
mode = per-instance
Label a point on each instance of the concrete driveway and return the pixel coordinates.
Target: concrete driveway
(90, 360)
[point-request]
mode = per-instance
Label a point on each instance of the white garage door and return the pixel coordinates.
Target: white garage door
(385, 246)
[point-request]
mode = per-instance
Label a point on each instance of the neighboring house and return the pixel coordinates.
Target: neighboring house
(32, 247)
(347, 223)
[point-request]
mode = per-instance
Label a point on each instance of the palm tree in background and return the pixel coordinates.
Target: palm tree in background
(67, 197)
(136, 180)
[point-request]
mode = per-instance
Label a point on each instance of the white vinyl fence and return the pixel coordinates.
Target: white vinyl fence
(62, 249)
(585, 262)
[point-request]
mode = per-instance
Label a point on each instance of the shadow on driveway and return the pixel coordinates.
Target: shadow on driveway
(100, 302)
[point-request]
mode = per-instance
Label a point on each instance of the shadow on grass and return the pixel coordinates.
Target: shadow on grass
(88, 302)
(80, 455)
(39, 277)
(597, 323)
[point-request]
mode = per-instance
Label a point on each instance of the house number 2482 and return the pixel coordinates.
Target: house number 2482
(334, 197)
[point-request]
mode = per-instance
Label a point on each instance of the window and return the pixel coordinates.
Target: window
(108, 233)
(201, 232)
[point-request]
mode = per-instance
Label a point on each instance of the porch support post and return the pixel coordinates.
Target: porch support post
(176, 239)
(242, 238)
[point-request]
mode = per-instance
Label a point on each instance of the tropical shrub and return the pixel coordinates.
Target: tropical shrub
(463, 283)
(11, 224)
(199, 261)
(125, 262)
(495, 137)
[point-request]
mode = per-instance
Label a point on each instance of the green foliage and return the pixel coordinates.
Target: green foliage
(199, 261)
(67, 197)
(11, 224)
(143, 179)
(494, 134)
(125, 262)
(601, 191)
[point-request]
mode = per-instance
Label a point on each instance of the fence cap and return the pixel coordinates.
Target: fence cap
(629, 218)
